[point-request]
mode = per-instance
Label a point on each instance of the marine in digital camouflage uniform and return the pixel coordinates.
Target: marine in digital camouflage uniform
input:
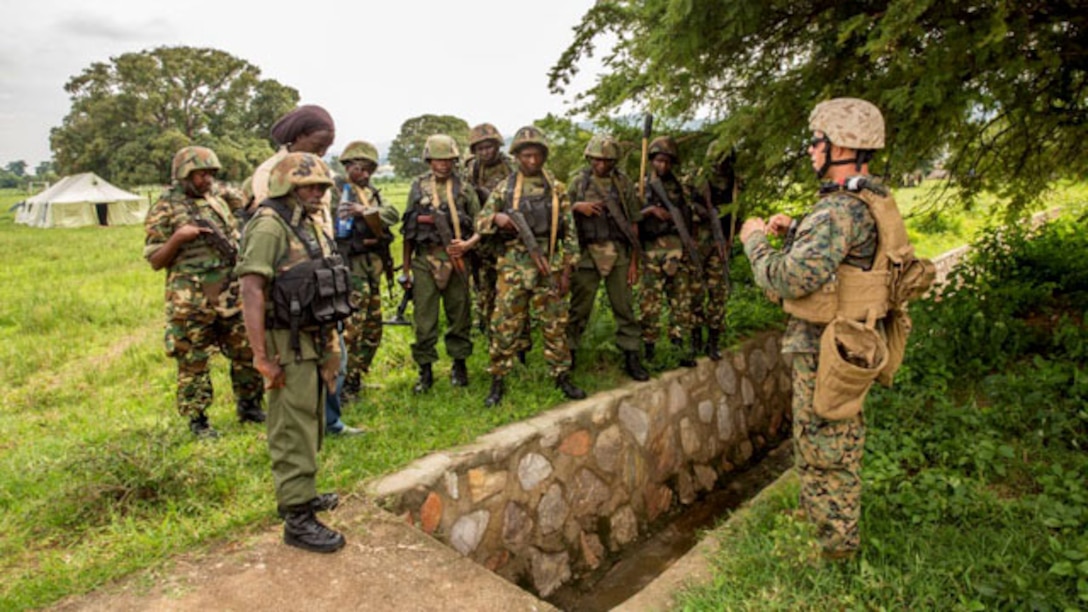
(485, 169)
(297, 376)
(526, 283)
(608, 249)
(667, 271)
(203, 307)
(838, 230)
(357, 199)
(438, 273)
(712, 190)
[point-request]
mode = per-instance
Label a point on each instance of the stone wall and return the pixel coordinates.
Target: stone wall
(541, 501)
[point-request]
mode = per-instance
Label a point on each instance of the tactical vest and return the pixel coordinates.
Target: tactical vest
(537, 209)
(650, 227)
(895, 275)
(603, 227)
(426, 234)
(307, 294)
(200, 256)
(489, 177)
(360, 231)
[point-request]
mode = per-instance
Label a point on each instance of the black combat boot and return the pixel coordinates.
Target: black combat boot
(688, 361)
(522, 356)
(201, 429)
(567, 387)
(459, 373)
(426, 379)
(573, 360)
(697, 340)
(651, 351)
(497, 390)
(633, 366)
(322, 503)
(249, 411)
(712, 349)
(353, 383)
(301, 529)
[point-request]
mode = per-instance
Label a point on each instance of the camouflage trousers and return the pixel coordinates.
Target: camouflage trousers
(521, 289)
(363, 331)
(200, 317)
(828, 456)
(485, 291)
(584, 284)
(710, 294)
(665, 276)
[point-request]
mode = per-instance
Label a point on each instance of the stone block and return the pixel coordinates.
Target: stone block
(757, 366)
(533, 469)
(635, 421)
(727, 428)
(706, 411)
(739, 361)
(576, 444)
(678, 398)
(482, 484)
(552, 510)
(609, 449)
(467, 532)
(588, 494)
(624, 528)
(549, 571)
(706, 477)
(689, 438)
(430, 513)
(517, 526)
(658, 499)
(727, 377)
(592, 550)
(664, 454)
(685, 487)
(747, 391)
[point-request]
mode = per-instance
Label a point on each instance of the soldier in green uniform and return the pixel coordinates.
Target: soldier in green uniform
(838, 237)
(439, 232)
(668, 269)
(713, 188)
(485, 169)
(296, 349)
(365, 240)
(193, 234)
(606, 214)
(528, 216)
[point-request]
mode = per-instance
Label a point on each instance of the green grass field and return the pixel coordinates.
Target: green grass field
(99, 477)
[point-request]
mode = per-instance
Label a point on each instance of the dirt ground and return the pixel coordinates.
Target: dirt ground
(387, 565)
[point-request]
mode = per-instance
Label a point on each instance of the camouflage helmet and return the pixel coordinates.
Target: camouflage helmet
(716, 151)
(603, 146)
(193, 158)
(359, 149)
(663, 144)
(849, 122)
(528, 135)
(482, 133)
(440, 146)
(296, 170)
(247, 188)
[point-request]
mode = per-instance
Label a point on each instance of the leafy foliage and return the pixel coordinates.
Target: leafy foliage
(999, 87)
(131, 115)
(406, 151)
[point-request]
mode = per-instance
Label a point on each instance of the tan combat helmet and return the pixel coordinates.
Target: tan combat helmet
(528, 135)
(483, 133)
(359, 149)
(663, 145)
(296, 170)
(193, 158)
(602, 146)
(440, 146)
(849, 122)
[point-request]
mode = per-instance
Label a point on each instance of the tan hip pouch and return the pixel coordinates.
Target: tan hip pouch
(852, 354)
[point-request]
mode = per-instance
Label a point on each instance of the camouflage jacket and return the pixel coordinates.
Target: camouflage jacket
(586, 187)
(486, 178)
(198, 257)
(566, 249)
(721, 197)
(389, 215)
(651, 227)
(839, 229)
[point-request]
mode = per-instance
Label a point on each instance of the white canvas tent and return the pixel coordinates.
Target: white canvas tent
(82, 199)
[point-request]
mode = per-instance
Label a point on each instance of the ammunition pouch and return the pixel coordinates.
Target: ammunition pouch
(852, 356)
(851, 294)
(310, 295)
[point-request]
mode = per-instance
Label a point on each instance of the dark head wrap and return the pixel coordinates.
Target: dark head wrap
(305, 119)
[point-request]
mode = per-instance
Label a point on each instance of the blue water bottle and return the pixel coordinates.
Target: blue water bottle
(344, 224)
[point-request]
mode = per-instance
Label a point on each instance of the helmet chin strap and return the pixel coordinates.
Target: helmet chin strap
(821, 172)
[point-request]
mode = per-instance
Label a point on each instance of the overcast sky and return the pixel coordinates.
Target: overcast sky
(371, 64)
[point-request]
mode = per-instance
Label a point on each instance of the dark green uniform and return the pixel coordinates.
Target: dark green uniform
(605, 255)
(433, 275)
(296, 411)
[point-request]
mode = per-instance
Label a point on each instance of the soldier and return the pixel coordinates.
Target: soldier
(528, 215)
(365, 240)
(439, 232)
(193, 234)
(713, 187)
(668, 268)
(836, 239)
(485, 169)
(606, 216)
(286, 252)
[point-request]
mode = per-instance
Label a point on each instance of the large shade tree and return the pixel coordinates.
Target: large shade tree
(996, 90)
(130, 116)
(406, 151)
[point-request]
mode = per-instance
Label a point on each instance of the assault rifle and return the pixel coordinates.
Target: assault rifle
(214, 236)
(444, 226)
(398, 318)
(710, 213)
(678, 221)
(529, 240)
